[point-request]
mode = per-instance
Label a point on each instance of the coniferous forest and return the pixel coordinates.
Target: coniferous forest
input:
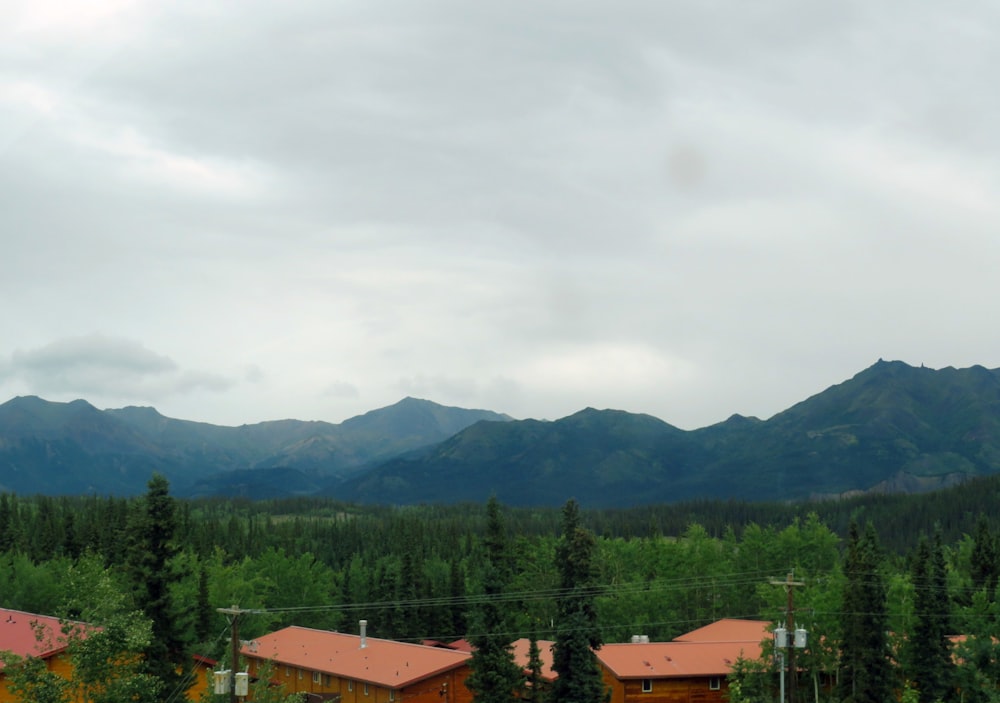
(912, 569)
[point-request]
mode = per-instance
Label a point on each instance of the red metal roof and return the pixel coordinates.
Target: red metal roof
(729, 630)
(381, 662)
(708, 651)
(462, 645)
(657, 660)
(30, 635)
(459, 645)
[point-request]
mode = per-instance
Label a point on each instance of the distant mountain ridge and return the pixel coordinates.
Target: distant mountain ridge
(891, 428)
(74, 448)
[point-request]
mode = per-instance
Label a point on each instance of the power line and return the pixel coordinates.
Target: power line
(632, 588)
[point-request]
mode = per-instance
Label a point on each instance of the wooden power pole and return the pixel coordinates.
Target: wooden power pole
(234, 642)
(789, 583)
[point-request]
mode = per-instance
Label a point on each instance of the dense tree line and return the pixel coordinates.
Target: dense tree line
(430, 572)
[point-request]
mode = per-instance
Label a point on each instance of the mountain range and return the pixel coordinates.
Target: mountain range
(890, 428)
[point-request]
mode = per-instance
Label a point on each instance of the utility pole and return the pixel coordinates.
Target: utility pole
(234, 642)
(789, 583)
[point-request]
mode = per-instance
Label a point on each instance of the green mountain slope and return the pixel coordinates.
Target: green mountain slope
(71, 448)
(892, 427)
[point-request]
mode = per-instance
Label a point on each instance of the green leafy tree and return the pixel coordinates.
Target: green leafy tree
(979, 651)
(106, 643)
(495, 677)
(752, 680)
(30, 586)
(28, 679)
(153, 575)
(578, 634)
(263, 691)
(866, 669)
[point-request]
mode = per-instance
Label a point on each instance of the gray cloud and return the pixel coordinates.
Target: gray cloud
(685, 208)
(96, 366)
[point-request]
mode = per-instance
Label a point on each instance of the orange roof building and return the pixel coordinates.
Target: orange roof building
(31, 635)
(43, 636)
(729, 630)
(691, 668)
(359, 669)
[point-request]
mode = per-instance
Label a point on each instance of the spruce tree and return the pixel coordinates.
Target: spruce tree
(204, 615)
(535, 689)
(6, 524)
(983, 559)
(456, 592)
(578, 634)
(152, 573)
(866, 669)
(930, 655)
(495, 676)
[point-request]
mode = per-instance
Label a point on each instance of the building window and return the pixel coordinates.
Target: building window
(300, 673)
(714, 683)
(350, 686)
(316, 677)
(366, 689)
(288, 671)
(326, 680)
(647, 685)
(392, 695)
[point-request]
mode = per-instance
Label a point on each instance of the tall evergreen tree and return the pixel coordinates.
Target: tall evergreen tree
(204, 614)
(6, 523)
(413, 621)
(495, 677)
(456, 594)
(152, 573)
(578, 634)
(535, 689)
(930, 655)
(866, 669)
(984, 559)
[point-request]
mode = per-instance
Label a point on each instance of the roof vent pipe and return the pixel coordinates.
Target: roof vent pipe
(363, 625)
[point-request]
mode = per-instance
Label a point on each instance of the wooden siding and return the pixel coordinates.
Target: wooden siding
(672, 690)
(61, 665)
(447, 687)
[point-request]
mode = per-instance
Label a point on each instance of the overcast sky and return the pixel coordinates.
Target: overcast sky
(253, 210)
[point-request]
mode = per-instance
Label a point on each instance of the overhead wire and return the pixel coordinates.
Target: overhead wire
(180, 690)
(654, 586)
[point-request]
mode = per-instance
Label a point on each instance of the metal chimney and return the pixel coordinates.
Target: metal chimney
(363, 625)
